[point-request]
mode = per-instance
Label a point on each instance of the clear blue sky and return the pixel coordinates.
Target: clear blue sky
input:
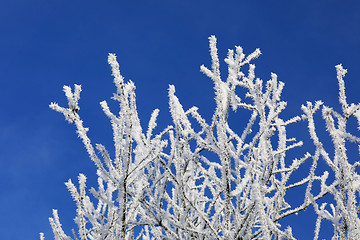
(45, 44)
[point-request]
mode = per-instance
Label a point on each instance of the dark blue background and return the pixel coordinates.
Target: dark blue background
(45, 44)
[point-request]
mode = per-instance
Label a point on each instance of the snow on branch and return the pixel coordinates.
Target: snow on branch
(211, 182)
(345, 187)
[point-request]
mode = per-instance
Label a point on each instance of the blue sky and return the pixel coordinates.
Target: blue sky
(45, 44)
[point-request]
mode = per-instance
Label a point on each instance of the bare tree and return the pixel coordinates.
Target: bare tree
(166, 186)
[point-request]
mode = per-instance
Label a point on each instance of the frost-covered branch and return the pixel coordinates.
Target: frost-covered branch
(345, 186)
(199, 178)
